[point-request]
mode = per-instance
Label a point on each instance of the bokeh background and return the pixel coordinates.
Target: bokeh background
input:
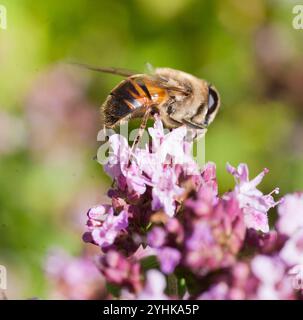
(49, 114)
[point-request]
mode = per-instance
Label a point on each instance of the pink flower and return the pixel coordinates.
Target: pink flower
(172, 147)
(254, 203)
(157, 134)
(98, 214)
(214, 237)
(119, 270)
(210, 177)
(292, 252)
(118, 165)
(104, 225)
(74, 277)
(204, 201)
(154, 287)
(142, 253)
(274, 283)
(235, 283)
(165, 190)
(169, 258)
(156, 237)
(267, 269)
(218, 291)
(290, 213)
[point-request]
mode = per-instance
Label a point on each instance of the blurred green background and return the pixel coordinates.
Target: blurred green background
(49, 111)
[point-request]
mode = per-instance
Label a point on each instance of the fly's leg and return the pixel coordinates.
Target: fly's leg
(140, 132)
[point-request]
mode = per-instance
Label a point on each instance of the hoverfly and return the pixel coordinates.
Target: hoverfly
(178, 97)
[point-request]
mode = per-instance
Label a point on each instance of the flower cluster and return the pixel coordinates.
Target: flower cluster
(74, 278)
(168, 233)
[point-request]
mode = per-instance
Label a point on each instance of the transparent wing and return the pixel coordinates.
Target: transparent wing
(164, 83)
(117, 71)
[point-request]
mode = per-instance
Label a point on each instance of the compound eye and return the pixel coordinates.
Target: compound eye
(213, 100)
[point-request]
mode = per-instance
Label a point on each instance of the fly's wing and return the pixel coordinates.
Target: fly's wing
(118, 71)
(149, 68)
(170, 85)
(161, 81)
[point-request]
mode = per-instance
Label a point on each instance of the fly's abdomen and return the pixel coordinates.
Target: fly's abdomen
(137, 92)
(128, 96)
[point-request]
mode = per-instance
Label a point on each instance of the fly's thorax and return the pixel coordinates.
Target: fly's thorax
(190, 106)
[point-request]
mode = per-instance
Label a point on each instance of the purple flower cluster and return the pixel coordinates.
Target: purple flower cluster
(167, 224)
(207, 237)
(74, 278)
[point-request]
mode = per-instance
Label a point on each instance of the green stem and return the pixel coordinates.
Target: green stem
(172, 285)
